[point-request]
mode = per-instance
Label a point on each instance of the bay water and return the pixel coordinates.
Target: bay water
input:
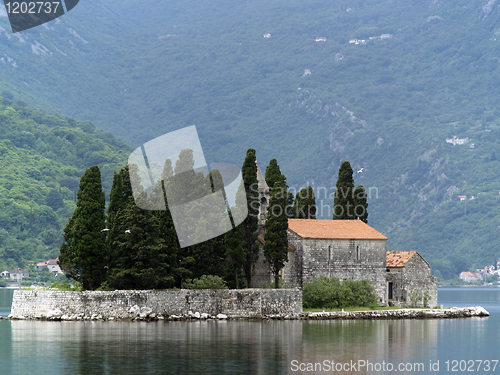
(267, 347)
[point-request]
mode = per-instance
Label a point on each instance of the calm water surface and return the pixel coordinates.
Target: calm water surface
(277, 347)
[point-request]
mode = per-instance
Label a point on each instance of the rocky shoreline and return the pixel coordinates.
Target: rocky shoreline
(138, 314)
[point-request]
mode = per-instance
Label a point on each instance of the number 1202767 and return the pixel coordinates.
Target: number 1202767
(470, 365)
(34, 7)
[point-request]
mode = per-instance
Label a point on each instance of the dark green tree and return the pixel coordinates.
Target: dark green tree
(343, 203)
(250, 224)
(88, 239)
(116, 204)
(305, 204)
(67, 254)
(275, 237)
(140, 262)
(361, 205)
(235, 254)
(273, 173)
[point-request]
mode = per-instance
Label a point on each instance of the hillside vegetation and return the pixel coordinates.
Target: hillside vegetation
(41, 160)
(143, 68)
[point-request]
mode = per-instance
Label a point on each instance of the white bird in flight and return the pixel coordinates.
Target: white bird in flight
(127, 231)
(361, 170)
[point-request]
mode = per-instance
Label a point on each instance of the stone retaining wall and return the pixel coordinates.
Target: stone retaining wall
(150, 304)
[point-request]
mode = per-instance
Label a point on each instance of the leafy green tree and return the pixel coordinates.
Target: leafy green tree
(250, 224)
(343, 203)
(305, 204)
(275, 237)
(88, 239)
(54, 199)
(360, 204)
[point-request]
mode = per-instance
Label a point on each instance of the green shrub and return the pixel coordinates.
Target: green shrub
(64, 286)
(3, 283)
(324, 292)
(271, 285)
(205, 282)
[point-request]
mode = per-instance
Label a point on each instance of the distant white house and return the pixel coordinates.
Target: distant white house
(51, 265)
(457, 141)
(321, 39)
(17, 274)
(385, 36)
(469, 276)
(267, 35)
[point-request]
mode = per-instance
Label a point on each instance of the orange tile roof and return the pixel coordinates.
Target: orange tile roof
(398, 258)
(338, 229)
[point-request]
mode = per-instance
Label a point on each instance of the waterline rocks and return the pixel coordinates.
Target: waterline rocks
(454, 312)
(198, 305)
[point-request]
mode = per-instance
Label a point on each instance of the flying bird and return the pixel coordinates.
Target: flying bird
(127, 231)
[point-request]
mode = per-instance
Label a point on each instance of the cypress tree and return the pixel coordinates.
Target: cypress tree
(250, 224)
(275, 237)
(235, 254)
(88, 239)
(305, 204)
(67, 254)
(273, 173)
(361, 205)
(343, 208)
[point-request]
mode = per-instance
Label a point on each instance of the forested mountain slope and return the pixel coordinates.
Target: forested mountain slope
(145, 67)
(41, 160)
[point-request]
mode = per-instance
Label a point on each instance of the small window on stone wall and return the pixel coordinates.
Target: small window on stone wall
(357, 252)
(329, 252)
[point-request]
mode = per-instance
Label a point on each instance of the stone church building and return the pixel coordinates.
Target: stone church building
(347, 249)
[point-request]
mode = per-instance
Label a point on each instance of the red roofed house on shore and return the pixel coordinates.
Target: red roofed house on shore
(349, 250)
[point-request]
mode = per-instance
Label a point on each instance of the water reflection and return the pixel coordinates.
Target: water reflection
(242, 347)
(238, 347)
(394, 341)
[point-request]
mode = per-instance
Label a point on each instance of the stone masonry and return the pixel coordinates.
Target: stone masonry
(150, 304)
(409, 274)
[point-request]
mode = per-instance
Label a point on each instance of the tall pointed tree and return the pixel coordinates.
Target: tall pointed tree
(273, 173)
(275, 237)
(88, 239)
(235, 254)
(140, 261)
(361, 205)
(305, 204)
(67, 254)
(343, 207)
(250, 224)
